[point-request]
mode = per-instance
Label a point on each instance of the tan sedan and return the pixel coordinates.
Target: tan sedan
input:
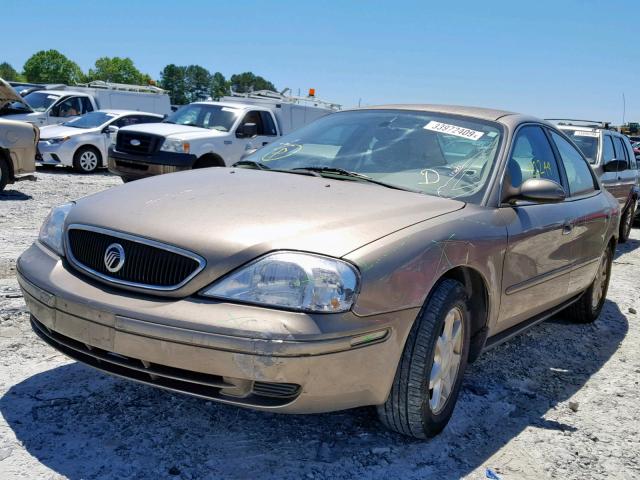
(362, 260)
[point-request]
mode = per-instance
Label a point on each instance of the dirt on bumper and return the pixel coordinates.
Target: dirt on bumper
(249, 356)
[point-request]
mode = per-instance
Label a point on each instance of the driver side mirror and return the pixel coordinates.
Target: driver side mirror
(247, 130)
(539, 190)
(615, 165)
(110, 129)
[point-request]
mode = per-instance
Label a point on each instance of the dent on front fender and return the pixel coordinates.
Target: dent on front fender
(399, 271)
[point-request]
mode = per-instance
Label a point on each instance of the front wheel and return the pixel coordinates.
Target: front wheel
(627, 222)
(87, 160)
(429, 375)
(588, 307)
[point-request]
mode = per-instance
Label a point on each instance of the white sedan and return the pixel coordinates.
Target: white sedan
(82, 143)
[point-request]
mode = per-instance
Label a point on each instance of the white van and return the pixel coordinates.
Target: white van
(211, 134)
(52, 107)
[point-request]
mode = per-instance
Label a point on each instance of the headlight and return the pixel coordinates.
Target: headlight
(56, 140)
(177, 146)
(298, 281)
(51, 232)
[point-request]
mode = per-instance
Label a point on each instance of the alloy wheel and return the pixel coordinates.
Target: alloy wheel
(600, 282)
(446, 360)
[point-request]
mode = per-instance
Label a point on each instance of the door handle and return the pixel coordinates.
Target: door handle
(265, 143)
(567, 228)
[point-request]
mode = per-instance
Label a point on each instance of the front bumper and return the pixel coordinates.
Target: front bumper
(55, 154)
(140, 166)
(249, 356)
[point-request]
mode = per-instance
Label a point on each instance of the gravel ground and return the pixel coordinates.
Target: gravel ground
(560, 401)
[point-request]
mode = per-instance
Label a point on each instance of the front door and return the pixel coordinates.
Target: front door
(542, 242)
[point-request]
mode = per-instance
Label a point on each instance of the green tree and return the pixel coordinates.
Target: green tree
(8, 73)
(117, 70)
(249, 82)
(197, 83)
(219, 86)
(51, 66)
(172, 79)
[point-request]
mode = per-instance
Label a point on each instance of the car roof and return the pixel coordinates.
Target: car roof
(115, 111)
(511, 119)
(231, 104)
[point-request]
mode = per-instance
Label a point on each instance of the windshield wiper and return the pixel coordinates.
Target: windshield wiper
(251, 163)
(356, 175)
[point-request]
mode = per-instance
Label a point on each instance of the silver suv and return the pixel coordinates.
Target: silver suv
(611, 157)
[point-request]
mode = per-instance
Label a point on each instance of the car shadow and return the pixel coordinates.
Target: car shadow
(629, 246)
(65, 170)
(14, 195)
(82, 423)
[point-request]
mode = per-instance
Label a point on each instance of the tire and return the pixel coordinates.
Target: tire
(412, 407)
(87, 160)
(626, 222)
(588, 307)
(4, 173)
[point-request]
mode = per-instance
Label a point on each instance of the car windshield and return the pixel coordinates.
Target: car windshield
(90, 120)
(212, 117)
(431, 153)
(40, 100)
(587, 142)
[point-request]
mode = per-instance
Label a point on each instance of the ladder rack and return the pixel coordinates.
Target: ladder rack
(269, 95)
(123, 87)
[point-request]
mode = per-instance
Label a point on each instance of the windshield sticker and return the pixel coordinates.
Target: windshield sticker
(580, 133)
(453, 130)
(283, 151)
(52, 97)
(229, 109)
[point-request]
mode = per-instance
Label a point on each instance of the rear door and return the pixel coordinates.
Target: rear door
(543, 244)
(592, 213)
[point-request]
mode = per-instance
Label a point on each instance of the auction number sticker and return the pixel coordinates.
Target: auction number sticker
(582, 133)
(453, 130)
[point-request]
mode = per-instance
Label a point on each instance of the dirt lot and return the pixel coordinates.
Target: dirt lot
(558, 402)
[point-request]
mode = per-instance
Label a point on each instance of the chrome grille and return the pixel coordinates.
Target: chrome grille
(147, 264)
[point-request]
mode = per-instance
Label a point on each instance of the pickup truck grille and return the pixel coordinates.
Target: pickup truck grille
(138, 143)
(146, 264)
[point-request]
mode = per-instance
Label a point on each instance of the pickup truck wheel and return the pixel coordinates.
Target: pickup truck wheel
(627, 222)
(430, 371)
(4, 173)
(86, 160)
(588, 307)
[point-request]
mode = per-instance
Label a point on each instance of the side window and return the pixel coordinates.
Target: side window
(269, 126)
(621, 150)
(578, 171)
(608, 152)
(125, 121)
(254, 117)
(68, 107)
(86, 105)
(532, 157)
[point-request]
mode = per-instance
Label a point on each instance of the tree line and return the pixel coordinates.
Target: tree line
(184, 84)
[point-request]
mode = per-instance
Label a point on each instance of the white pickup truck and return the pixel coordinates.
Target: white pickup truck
(210, 134)
(52, 107)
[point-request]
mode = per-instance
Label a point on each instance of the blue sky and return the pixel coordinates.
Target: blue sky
(564, 58)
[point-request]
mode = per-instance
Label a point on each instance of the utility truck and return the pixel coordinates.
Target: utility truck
(55, 106)
(212, 134)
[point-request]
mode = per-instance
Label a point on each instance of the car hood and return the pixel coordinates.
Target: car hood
(168, 129)
(53, 131)
(231, 216)
(9, 95)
